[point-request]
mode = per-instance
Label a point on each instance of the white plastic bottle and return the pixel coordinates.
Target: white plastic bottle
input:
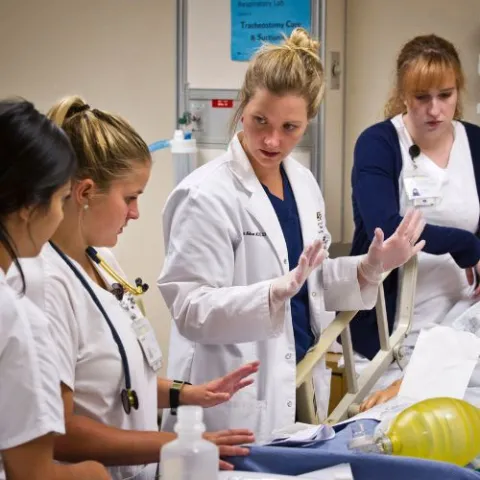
(189, 457)
(184, 153)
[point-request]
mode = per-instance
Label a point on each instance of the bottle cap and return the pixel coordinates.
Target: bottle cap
(190, 418)
(180, 144)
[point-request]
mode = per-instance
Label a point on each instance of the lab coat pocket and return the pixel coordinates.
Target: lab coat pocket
(246, 413)
(322, 377)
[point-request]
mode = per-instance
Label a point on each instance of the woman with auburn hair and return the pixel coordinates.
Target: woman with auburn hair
(423, 155)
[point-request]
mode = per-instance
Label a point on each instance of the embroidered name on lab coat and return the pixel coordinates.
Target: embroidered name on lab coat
(255, 234)
(321, 230)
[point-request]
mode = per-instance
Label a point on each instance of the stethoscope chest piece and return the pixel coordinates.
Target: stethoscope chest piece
(129, 400)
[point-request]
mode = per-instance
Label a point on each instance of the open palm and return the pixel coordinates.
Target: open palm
(400, 246)
(222, 389)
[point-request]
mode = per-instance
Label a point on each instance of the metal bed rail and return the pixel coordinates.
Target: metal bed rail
(358, 386)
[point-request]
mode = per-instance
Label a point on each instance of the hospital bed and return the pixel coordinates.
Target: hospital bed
(390, 349)
(312, 456)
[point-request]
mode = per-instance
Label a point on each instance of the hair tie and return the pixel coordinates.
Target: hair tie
(77, 109)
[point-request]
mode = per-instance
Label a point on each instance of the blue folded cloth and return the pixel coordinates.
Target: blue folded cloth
(316, 455)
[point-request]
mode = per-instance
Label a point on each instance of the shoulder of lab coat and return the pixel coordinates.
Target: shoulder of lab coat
(202, 228)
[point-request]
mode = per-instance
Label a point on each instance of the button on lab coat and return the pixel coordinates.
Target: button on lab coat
(224, 245)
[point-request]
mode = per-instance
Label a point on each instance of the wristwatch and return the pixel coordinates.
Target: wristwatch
(174, 394)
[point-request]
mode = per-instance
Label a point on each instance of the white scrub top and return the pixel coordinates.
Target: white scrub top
(441, 283)
(89, 360)
(30, 399)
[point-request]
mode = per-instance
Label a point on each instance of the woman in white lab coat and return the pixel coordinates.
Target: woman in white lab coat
(36, 163)
(108, 355)
(234, 232)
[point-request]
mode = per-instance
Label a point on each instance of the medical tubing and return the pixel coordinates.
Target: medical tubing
(159, 145)
(115, 335)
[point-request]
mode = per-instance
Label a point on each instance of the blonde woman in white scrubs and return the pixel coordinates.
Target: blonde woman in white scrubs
(108, 356)
(36, 164)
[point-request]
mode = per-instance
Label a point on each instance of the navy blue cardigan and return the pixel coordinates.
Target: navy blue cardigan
(376, 203)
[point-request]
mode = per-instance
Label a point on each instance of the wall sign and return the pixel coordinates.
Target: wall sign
(257, 22)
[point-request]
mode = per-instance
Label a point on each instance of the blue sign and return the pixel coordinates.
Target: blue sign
(258, 22)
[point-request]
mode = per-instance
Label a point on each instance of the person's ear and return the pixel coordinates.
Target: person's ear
(82, 192)
(25, 213)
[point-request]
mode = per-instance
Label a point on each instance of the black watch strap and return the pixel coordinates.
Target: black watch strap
(174, 395)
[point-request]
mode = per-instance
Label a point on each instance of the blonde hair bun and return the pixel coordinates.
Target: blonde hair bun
(300, 39)
(292, 67)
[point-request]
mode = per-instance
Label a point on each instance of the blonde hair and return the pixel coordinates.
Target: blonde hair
(293, 67)
(106, 145)
(424, 63)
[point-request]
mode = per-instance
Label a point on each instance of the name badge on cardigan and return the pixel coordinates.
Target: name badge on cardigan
(422, 190)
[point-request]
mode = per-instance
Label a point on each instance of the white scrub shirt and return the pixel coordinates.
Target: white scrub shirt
(89, 360)
(30, 398)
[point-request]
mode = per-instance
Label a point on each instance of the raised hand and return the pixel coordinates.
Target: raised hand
(219, 390)
(384, 255)
(285, 287)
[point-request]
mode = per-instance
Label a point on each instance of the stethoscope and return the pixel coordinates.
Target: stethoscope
(128, 396)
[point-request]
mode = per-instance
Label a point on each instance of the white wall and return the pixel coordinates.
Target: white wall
(209, 31)
(333, 168)
(120, 55)
(376, 30)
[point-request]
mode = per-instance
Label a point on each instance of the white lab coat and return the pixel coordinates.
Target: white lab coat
(30, 400)
(223, 246)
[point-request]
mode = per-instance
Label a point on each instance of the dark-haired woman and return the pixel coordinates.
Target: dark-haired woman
(36, 163)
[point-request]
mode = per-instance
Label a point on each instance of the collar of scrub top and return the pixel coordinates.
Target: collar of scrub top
(128, 395)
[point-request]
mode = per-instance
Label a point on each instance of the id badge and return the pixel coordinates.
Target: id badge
(424, 202)
(148, 342)
(423, 191)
